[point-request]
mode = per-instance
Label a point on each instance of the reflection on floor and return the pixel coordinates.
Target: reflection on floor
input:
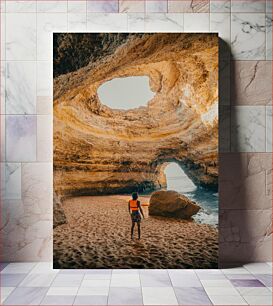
(39, 284)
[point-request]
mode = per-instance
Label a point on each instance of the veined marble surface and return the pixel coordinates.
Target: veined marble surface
(245, 111)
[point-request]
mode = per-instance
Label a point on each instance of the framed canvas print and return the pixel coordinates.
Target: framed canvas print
(135, 150)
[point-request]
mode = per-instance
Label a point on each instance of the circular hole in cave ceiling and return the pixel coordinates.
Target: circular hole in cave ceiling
(126, 93)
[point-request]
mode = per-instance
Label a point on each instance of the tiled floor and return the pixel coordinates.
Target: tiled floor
(39, 284)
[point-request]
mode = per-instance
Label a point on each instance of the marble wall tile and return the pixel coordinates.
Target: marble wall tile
(47, 24)
(220, 23)
(220, 6)
(136, 22)
(44, 105)
(44, 138)
(224, 81)
(248, 36)
(100, 22)
(20, 138)
(3, 138)
(77, 6)
(12, 174)
(198, 22)
(21, 36)
(2, 87)
(269, 6)
(268, 23)
(248, 6)
(77, 22)
(20, 87)
(243, 181)
(21, 6)
(245, 236)
(252, 82)
(153, 6)
(224, 128)
(268, 128)
(59, 6)
(164, 22)
(3, 36)
(37, 184)
(44, 78)
(3, 6)
(102, 6)
(188, 6)
(131, 6)
(248, 129)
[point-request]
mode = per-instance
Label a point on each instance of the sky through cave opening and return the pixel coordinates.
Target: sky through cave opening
(126, 93)
(177, 179)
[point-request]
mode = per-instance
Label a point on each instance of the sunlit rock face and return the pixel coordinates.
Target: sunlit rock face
(99, 150)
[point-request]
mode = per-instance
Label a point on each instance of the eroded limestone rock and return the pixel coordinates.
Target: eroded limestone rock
(172, 204)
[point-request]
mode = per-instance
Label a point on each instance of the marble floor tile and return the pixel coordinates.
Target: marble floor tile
(228, 291)
(63, 291)
(248, 36)
(156, 6)
(18, 268)
(21, 36)
(125, 296)
(248, 129)
(248, 6)
(59, 6)
(253, 291)
(220, 6)
(106, 22)
(240, 276)
(155, 280)
(192, 296)
(44, 78)
(21, 7)
(227, 300)
(93, 291)
(258, 268)
(159, 296)
(66, 280)
(3, 265)
(3, 36)
(74, 271)
(196, 22)
(268, 24)
(130, 280)
(20, 88)
(26, 296)
(11, 280)
(77, 6)
(171, 22)
(216, 283)
(38, 280)
(266, 279)
(258, 299)
(90, 300)
(5, 292)
(97, 276)
(188, 6)
(246, 283)
(220, 23)
(185, 281)
(96, 283)
(131, 6)
(224, 129)
(58, 300)
(44, 105)
(125, 272)
(43, 267)
(102, 6)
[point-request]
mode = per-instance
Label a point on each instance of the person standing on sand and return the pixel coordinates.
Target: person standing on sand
(135, 209)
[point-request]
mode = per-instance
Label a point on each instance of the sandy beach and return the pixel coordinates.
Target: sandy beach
(97, 235)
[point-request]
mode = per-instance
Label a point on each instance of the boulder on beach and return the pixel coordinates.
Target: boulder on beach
(172, 204)
(58, 212)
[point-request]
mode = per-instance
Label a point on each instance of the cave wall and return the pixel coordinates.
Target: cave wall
(99, 150)
(245, 115)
